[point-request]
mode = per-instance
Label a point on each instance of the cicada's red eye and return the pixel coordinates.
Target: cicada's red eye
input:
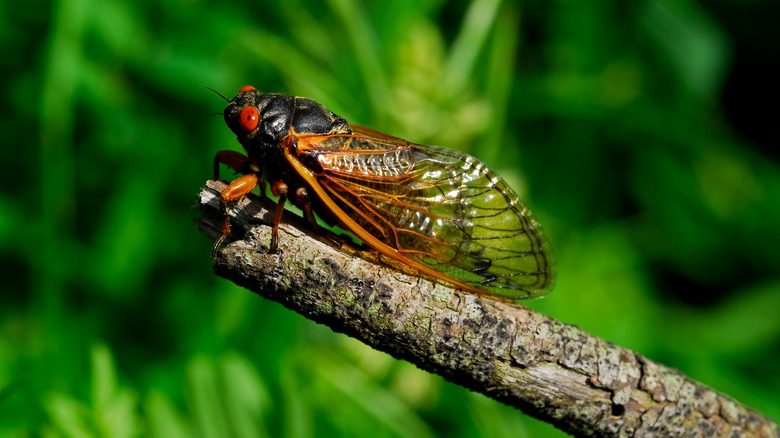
(246, 88)
(249, 118)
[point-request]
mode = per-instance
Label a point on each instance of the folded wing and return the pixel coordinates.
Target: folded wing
(439, 208)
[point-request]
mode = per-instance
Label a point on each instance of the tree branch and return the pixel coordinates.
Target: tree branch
(550, 370)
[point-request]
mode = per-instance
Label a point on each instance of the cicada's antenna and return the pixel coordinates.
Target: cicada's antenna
(218, 94)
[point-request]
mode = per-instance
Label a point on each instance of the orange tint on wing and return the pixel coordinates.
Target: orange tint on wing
(439, 211)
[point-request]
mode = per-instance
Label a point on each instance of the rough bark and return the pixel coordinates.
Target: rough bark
(550, 370)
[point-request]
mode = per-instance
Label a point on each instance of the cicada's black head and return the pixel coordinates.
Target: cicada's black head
(256, 117)
(263, 119)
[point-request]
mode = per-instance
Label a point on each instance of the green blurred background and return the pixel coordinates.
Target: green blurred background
(643, 135)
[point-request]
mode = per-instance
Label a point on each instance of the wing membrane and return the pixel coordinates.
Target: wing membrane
(437, 207)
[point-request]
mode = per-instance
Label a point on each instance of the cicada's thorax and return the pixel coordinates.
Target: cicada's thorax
(279, 116)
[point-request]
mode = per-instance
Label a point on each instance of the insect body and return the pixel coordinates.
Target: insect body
(437, 210)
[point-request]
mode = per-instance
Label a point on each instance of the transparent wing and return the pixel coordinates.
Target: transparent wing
(438, 207)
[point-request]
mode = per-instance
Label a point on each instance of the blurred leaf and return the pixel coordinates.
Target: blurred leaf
(297, 408)
(68, 416)
(103, 384)
(246, 398)
(744, 323)
(379, 407)
(461, 64)
(204, 397)
(112, 411)
(496, 420)
(126, 228)
(695, 45)
(162, 419)
(113, 406)
(366, 48)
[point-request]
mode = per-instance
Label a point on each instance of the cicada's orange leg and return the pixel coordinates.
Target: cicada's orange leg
(302, 201)
(235, 191)
(234, 160)
(238, 162)
(278, 189)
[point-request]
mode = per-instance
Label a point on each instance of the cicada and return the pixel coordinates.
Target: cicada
(442, 212)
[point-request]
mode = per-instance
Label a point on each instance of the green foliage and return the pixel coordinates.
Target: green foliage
(604, 116)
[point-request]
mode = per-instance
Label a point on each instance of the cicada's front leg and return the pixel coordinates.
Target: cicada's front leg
(234, 160)
(238, 162)
(233, 192)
